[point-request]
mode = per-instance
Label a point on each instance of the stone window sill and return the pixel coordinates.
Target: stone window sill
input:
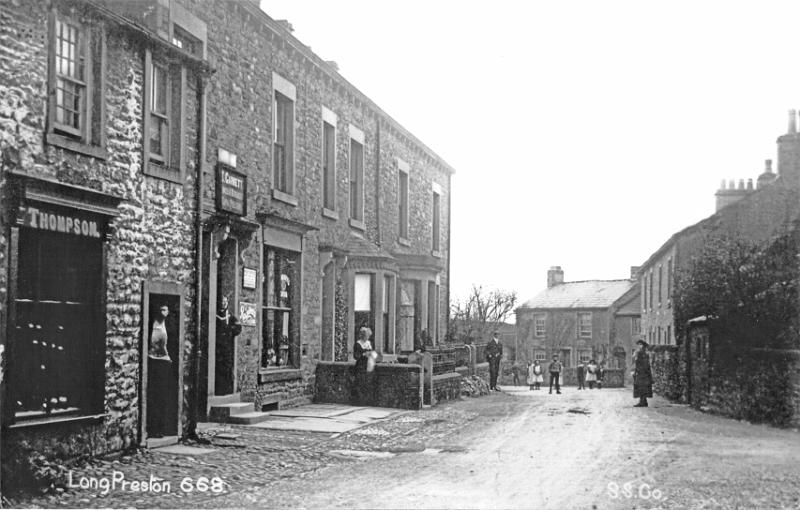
(404, 241)
(58, 420)
(328, 213)
(357, 224)
(154, 169)
(75, 146)
(284, 197)
(266, 375)
(436, 253)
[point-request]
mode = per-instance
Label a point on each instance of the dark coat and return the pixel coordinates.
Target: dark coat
(642, 375)
(494, 351)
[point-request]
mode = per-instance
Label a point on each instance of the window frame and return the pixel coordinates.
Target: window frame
(537, 333)
(328, 163)
(82, 140)
(436, 219)
(403, 190)
(581, 331)
(286, 91)
(356, 178)
(294, 309)
(158, 165)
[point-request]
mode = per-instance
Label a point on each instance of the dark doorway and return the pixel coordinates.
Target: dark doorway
(163, 364)
(224, 345)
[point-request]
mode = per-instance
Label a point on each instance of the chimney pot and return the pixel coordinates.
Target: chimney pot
(792, 122)
(741, 183)
(749, 184)
(768, 166)
(731, 184)
(722, 184)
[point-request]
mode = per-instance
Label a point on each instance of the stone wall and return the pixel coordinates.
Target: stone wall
(447, 387)
(667, 362)
(396, 385)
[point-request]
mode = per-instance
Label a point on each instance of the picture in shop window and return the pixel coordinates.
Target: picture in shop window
(279, 336)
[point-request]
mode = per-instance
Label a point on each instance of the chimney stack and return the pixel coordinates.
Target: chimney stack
(555, 276)
(768, 176)
(635, 272)
(789, 154)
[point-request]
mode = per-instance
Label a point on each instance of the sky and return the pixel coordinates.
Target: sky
(583, 133)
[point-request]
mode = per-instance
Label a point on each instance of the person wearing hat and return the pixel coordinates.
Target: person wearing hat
(494, 353)
(642, 375)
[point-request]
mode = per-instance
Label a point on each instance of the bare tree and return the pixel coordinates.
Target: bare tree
(481, 312)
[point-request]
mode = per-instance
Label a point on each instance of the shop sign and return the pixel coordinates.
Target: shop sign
(249, 278)
(247, 314)
(231, 190)
(74, 222)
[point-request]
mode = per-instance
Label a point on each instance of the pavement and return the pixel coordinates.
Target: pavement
(512, 449)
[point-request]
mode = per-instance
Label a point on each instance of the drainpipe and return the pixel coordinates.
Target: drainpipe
(194, 408)
(449, 254)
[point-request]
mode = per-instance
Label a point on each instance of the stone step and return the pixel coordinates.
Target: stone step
(217, 400)
(223, 412)
(248, 418)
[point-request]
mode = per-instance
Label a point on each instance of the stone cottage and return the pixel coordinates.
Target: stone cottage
(579, 321)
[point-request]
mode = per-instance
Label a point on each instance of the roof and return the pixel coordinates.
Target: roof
(585, 294)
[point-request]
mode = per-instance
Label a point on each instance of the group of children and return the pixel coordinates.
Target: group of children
(589, 374)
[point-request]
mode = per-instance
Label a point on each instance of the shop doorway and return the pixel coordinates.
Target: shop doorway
(162, 360)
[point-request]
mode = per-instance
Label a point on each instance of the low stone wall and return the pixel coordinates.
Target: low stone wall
(396, 385)
(759, 385)
(668, 365)
(447, 387)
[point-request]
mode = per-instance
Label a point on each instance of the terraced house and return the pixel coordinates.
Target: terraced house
(161, 158)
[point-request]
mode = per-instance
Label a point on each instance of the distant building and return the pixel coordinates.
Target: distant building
(592, 319)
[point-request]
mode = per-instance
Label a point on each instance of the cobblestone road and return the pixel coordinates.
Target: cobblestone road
(516, 449)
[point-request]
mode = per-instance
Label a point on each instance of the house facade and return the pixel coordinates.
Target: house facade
(578, 321)
(161, 157)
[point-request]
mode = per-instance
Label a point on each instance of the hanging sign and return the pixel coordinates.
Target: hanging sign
(231, 190)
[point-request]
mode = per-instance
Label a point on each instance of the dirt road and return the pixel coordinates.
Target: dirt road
(581, 449)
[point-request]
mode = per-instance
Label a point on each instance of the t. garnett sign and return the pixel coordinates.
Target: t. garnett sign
(74, 222)
(231, 190)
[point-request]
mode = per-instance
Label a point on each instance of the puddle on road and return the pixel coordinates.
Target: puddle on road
(578, 410)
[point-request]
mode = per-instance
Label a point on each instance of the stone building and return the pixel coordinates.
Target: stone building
(744, 212)
(169, 153)
(583, 320)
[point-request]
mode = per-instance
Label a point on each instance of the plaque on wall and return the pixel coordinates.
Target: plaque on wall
(247, 314)
(231, 190)
(249, 278)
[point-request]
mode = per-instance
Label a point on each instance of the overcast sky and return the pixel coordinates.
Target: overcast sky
(583, 133)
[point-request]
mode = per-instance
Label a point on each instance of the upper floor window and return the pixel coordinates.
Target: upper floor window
(669, 281)
(585, 324)
(402, 183)
(356, 174)
(328, 159)
(650, 290)
(165, 92)
(660, 283)
(636, 325)
(437, 217)
(76, 108)
(283, 135)
(539, 324)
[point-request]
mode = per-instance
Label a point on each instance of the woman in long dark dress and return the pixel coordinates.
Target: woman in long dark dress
(362, 351)
(642, 375)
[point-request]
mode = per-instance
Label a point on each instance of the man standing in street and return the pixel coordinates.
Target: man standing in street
(494, 353)
(642, 375)
(555, 374)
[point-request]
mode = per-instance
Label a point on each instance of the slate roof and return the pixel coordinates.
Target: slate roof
(585, 294)
(358, 247)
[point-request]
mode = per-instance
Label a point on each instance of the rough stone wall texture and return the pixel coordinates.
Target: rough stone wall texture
(446, 387)
(396, 385)
(152, 238)
(668, 365)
